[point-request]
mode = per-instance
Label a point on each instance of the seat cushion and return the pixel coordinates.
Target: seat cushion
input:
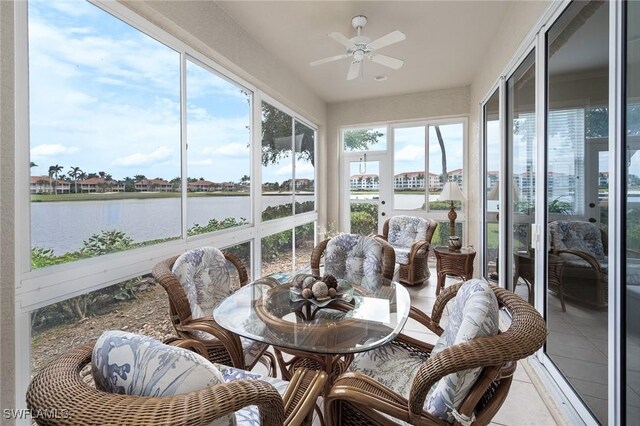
(207, 278)
(132, 364)
(355, 258)
(472, 313)
(249, 416)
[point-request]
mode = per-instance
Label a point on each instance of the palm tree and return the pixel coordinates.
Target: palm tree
(54, 172)
(445, 175)
(75, 174)
(32, 164)
(139, 177)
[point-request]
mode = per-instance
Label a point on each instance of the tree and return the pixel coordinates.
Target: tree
(277, 140)
(244, 180)
(54, 172)
(75, 174)
(138, 178)
(445, 174)
(32, 164)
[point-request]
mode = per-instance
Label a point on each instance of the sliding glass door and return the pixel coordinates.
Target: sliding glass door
(491, 230)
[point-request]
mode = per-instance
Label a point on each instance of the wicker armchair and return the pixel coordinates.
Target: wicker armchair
(357, 258)
(359, 399)
(583, 248)
(71, 399)
(345, 246)
(410, 238)
(223, 346)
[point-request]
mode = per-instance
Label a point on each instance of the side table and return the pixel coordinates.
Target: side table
(457, 263)
(524, 267)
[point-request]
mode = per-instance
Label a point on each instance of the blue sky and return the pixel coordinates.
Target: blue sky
(106, 97)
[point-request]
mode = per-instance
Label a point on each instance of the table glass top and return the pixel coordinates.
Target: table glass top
(264, 311)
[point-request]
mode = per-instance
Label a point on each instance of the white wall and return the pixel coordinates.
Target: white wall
(414, 106)
(7, 168)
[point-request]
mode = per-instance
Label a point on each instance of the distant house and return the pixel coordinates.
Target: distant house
(98, 184)
(46, 185)
(153, 185)
(409, 180)
(365, 181)
(201, 186)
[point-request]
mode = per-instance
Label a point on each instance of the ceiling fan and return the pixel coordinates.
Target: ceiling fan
(361, 47)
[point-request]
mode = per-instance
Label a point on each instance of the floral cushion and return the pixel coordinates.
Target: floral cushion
(208, 277)
(403, 232)
(577, 235)
(132, 364)
(472, 313)
(249, 416)
(355, 258)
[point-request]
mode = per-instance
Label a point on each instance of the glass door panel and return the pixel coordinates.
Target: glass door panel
(491, 186)
(364, 196)
(577, 161)
(631, 273)
(521, 148)
(410, 180)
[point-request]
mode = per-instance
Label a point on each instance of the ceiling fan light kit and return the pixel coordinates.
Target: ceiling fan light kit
(361, 47)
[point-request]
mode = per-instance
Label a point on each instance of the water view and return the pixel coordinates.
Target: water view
(64, 225)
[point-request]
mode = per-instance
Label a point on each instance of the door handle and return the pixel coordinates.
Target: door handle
(592, 220)
(383, 214)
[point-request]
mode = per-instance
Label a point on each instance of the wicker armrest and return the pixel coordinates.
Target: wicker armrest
(589, 258)
(301, 395)
(359, 389)
(59, 388)
(416, 247)
(230, 341)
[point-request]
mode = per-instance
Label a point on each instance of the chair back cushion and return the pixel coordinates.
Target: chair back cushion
(472, 313)
(406, 230)
(577, 235)
(355, 258)
(207, 278)
(132, 364)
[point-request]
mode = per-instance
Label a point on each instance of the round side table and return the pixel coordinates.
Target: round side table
(457, 263)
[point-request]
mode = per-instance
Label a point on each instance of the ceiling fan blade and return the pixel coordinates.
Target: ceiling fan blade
(340, 38)
(354, 70)
(384, 41)
(331, 59)
(388, 61)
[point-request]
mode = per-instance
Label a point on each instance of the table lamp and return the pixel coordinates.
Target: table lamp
(451, 192)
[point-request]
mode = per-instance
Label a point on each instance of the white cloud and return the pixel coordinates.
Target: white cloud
(205, 162)
(138, 159)
(47, 150)
(230, 150)
(410, 153)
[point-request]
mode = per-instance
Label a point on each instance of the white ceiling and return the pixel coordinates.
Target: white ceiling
(446, 41)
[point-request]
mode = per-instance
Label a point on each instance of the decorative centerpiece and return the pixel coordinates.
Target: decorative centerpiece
(319, 290)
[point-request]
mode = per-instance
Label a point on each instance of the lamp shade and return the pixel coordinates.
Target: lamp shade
(451, 192)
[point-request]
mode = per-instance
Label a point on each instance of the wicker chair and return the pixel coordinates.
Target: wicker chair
(67, 398)
(583, 248)
(337, 252)
(358, 399)
(346, 244)
(223, 346)
(410, 237)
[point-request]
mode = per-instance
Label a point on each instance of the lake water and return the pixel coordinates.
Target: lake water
(64, 225)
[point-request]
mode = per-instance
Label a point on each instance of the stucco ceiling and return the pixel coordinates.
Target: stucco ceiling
(446, 41)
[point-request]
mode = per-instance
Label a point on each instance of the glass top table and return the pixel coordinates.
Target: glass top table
(265, 312)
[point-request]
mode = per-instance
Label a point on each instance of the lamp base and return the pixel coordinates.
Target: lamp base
(455, 244)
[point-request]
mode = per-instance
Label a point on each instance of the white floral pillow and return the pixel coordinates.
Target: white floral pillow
(132, 364)
(206, 277)
(472, 313)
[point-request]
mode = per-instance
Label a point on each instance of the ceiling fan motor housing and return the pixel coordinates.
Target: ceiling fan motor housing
(358, 21)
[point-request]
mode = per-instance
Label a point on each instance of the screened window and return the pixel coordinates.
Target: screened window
(104, 134)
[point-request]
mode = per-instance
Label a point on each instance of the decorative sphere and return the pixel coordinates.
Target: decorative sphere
(308, 282)
(307, 293)
(332, 292)
(320, 289)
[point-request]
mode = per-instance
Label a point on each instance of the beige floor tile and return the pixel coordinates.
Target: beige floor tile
(598, 407)
(524, 407)
(584, 354)
(583, 370)
(521, 374)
